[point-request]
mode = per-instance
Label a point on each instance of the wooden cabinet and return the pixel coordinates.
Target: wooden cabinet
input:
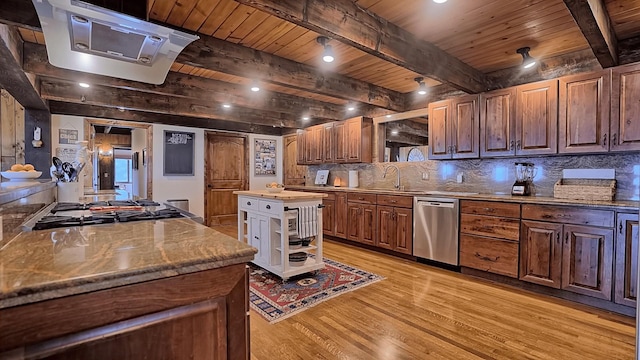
(574, 253)
(584, 113)
(626, 263)
(395, 223)
(348, 141)
(313, 145)
(361, 218)
(293, 173)
(625, 108)
(454, 128)
(328, 143)
(359, 140)
(520, 121)
(341, 219)
(489, 234)
(300, 147)
(329, 215)
(340, 141)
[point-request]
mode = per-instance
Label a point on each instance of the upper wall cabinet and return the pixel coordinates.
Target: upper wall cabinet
(348, 141)
(584, 112)
(520, 121)
(625, 109)
(454, 128)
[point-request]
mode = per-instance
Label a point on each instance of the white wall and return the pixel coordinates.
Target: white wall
(139, 142)
(258, 182)
(179, 187)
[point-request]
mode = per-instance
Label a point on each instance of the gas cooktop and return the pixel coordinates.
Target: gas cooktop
(65, 206)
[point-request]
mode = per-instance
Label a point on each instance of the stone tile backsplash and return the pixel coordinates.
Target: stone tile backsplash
(489, 176)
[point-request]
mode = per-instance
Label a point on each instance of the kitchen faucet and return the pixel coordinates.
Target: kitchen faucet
(397, 184)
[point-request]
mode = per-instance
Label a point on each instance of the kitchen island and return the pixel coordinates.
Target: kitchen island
(164, 289)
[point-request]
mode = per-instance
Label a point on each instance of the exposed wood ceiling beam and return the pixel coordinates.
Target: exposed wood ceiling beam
(176, 84)
(12, 78)
(594, 22)
(229, 58)
(347, 22)
(407, 127)
(66, 108)
(133, 100)
(629, 50)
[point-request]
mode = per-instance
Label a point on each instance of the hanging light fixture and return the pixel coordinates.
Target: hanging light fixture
(327, 54)
(527, 61)
(422, 87)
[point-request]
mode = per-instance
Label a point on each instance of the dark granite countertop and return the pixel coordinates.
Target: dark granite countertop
(615, 204)
(48, 264)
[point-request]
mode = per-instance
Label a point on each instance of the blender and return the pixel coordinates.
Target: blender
(525, 172)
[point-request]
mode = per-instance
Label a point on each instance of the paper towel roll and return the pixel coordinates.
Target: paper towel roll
(353, 178)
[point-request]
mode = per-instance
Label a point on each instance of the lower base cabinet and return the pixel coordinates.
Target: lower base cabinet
(541, 253)
(626, 264)
(361, 223)
(488, 254)
(395, 229)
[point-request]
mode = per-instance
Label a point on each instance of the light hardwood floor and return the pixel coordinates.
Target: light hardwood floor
(423, 312)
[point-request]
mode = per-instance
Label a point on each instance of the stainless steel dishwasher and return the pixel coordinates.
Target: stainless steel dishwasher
(435, 229)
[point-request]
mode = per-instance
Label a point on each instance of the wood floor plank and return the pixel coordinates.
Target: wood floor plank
(424, 312)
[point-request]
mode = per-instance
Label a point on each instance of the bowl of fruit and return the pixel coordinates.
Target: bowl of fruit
(21, 172)
(274, 187)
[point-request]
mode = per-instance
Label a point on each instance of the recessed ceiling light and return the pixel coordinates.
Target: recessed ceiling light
(351, 108)
(439, 1)
(388, 116)
(394, 132)
(305, 118)
(226, 106)
(255, 88)
(84, 85)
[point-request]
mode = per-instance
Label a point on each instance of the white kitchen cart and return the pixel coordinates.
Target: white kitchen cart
(267, 221)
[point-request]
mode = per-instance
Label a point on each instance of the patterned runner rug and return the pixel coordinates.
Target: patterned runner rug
(275, 300)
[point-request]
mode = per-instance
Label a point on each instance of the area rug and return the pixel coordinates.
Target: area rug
(276, 300)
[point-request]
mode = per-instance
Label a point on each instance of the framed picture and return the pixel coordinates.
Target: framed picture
(67, 136)
(178, 153)
(265, 161)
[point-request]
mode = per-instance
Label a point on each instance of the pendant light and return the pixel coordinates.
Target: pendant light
(527, 61)
(422, 87)
(327, 54)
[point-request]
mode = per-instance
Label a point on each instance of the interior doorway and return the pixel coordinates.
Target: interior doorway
(122, 153)
(226, 169)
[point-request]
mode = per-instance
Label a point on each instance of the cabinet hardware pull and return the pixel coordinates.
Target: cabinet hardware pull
(566, 238)
(257, 238)
(511, 145)
(394, 201)
(487, 258)
(558, 238)
(268, 207)
(614, 138)
(249, 203)
(621, 227)
(604, 140)
(518, 146)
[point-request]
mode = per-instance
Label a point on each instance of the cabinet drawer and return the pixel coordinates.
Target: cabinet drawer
(391, 200)
(487, 254)
(493, 208)
(330, 196)
(362, 198)
(500, 227)
(569, 215)
(271, 207)
(246, 203)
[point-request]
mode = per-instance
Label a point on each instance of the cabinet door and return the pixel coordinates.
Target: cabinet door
(626, 266)
(328, 217)
(497, 125)
(587, 259)
(341, 215)
(313, 144)
(584, 113)
(259, 238)
(368, 222)
(537, 118)
(328, 144)
(465, 127)
(440, 130)
(404, 230)
(354, 222)
(625, 108)
(340, 139)
(294, 174)
(386, 227)
(541, 253)
(354, 139)
(300, 147)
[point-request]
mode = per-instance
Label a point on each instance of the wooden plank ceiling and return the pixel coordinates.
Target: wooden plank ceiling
(483, 34)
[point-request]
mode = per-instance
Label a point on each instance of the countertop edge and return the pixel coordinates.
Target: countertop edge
(84, 285)
(9, 195)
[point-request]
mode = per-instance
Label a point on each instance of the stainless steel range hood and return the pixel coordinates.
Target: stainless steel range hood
(88, 38)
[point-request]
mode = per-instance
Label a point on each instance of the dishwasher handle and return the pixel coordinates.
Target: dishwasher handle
(441, 204)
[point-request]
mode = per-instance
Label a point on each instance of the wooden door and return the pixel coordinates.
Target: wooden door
(354, 139)
(294, 174)
(465, 127)
(625, 108)
(106, 168)
(537, 118)
(440, 130)
(340, 138)
(541, 253)
(404, 230)
(368, 221)
(226, 165)
(587, 259)
(584, 113)
(354, 222)
(341, 212)
(328, 144)
(328, 217)
(626, 263)
(386, 228)
(301, 136)
(497, 123)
